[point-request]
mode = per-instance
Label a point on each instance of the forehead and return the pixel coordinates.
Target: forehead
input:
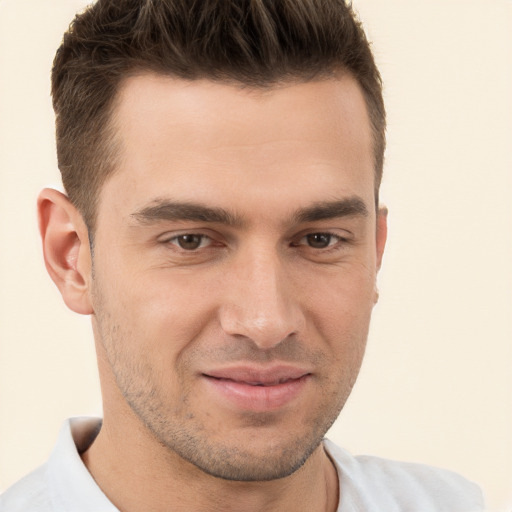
(204, 112)
(203, 140)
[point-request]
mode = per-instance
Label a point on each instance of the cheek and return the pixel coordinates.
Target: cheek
(155, 313)
(339, 313)
(343, 296)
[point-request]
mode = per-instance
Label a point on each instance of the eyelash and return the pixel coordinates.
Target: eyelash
(331, 236)
(175, 241)
(203, 238)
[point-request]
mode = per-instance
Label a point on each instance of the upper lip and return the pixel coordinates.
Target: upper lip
(266, 376)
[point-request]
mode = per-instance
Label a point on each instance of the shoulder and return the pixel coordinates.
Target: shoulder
(28, 494)
(372, 481)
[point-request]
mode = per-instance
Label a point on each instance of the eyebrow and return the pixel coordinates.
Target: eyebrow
(168, 210)
(325, 210)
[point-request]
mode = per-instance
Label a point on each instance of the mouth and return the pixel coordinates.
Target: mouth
(257, 389)
(257, 383)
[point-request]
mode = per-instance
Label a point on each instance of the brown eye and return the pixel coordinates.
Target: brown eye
(319, 240)
(189, 242)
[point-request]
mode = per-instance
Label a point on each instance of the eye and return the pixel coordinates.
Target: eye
(319, 240)
(190, 241)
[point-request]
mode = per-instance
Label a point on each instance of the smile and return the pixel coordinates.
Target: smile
(256, 390)
(273, 383)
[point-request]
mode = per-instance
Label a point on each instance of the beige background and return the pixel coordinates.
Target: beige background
(436, 386)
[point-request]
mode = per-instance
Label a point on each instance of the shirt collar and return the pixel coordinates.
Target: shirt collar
(71, 486)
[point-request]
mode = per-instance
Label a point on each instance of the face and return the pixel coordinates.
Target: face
(235, 260)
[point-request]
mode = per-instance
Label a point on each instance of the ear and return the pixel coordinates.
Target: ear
(66, 250)
(381, 233)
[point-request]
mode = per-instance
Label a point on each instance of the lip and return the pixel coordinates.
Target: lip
(256, 389)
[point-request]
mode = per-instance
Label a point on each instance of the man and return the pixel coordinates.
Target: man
(222, 227)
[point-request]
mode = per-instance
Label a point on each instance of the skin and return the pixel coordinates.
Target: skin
(281, 271)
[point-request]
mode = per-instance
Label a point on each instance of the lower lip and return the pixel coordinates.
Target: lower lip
(256, 398)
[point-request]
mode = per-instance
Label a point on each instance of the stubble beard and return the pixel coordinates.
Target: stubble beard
(176, 428)
(183, 434)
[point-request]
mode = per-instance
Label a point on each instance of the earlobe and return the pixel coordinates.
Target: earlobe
(66, 249)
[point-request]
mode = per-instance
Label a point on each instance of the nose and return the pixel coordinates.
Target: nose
(260, 302)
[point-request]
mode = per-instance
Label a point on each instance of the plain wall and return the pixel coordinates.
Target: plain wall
(436, 385)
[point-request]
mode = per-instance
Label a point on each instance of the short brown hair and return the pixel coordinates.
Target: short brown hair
(256, 43)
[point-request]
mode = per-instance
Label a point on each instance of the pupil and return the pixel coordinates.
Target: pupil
(319, 240)
(189, 241)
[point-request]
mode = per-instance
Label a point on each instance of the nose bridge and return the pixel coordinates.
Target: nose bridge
(260, 303)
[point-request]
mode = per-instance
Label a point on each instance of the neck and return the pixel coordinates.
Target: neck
(147, 476)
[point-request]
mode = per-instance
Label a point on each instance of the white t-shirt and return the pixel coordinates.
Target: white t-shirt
(367, 484)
